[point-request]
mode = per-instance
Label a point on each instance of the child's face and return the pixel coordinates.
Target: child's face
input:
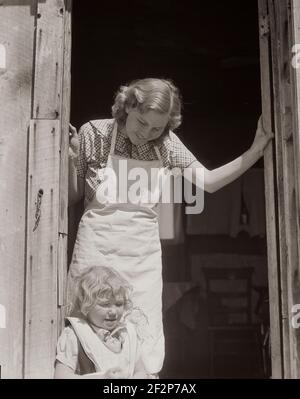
(107, 312)
(144, 127)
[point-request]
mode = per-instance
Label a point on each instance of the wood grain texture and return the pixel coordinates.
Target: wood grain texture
(285, 108)
(42, 248)
(292, 141)
(284, 115)
(270, 194)
(64, 164)
(48, 60)
(17, 38)
(65, 118)
(275, 21)
(295, 83)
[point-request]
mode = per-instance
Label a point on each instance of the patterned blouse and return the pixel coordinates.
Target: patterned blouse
(94, 146)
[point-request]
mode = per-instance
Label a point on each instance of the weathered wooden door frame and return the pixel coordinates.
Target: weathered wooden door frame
(279, 30)
(47, 194)
(44, 89)
(279, 25)
(35, 45)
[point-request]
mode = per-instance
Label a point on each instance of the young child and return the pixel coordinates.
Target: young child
(100, 343)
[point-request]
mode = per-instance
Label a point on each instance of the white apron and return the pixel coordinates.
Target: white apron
(125, 236)
(102, 357)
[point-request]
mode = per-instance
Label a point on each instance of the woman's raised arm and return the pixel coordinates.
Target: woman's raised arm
(213, 180)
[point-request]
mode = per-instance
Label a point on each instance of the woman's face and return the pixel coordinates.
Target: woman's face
(143, 127)
(107, 312)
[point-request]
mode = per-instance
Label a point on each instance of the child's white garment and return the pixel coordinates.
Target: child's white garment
(103, 358)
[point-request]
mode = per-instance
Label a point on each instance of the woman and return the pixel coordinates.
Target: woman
(114, 231)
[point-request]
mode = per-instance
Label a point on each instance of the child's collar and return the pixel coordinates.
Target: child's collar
(112, 339)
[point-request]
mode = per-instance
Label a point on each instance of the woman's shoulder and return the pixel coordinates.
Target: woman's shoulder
(170, 141)
(173, 137)
(102, 127)
(175, 151)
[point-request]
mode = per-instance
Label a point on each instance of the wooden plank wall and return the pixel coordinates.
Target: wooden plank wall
(48, 171)
(286, 110)
(42, 238)
(293, 148)
(295, 81)
(64, 148)
(279, 106)
(273, 230)
(284, 26)
(35, 38)
(16, 41)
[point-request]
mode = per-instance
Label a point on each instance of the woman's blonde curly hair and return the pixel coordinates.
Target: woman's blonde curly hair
(159, 95)
(96, 283)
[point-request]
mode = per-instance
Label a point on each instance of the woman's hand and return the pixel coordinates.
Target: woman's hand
(261, 138)
(73, 142)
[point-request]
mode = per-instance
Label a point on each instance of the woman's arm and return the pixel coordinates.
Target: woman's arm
(76, 183)
(213, 180)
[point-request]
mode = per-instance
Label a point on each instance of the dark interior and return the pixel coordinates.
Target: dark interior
(210, 50)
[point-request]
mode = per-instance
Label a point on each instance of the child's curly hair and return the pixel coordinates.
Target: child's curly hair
(97, 282)
(159, 95)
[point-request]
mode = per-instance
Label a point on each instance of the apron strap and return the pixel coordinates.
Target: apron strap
(113, 139)
(158, 153)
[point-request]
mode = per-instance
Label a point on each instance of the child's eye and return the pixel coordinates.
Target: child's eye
(119, 304)
(104, 304)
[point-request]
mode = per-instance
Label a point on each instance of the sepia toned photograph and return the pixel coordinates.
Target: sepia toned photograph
(149, 191)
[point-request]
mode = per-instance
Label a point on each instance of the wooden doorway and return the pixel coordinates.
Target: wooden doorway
(35, 78)
(278, 26)
(217, 72)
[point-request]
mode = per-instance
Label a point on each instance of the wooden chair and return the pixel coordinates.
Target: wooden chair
(232, 335)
